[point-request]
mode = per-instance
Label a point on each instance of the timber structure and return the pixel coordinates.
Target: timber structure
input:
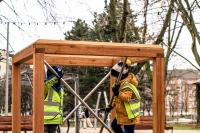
(82, 53)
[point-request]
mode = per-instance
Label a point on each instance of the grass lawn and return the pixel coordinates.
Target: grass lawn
(184, 126)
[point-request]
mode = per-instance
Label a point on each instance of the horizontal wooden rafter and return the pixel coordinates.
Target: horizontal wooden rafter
(24, 55)
(76, 60)
(86, 48)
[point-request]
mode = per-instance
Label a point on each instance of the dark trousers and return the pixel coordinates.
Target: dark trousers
(117, 128)
(50, 128)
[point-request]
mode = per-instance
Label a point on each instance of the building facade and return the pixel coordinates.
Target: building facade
(181, 92)
(2, 64)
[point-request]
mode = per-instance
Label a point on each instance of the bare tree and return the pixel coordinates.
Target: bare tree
(187, 11)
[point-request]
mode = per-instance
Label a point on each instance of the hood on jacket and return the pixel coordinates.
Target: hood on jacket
(131, 79)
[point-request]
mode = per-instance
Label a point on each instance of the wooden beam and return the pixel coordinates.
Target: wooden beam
(81, 60)
(158, 95)
(64, 47)
(16, 98)
(98, 48)
(24, 55)
(38, 93)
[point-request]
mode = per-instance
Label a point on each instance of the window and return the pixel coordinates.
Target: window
(177, 88)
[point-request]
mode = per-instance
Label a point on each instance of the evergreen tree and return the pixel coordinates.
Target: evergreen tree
(89, 77)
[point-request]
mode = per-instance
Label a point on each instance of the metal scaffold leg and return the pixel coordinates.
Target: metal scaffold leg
(81, 100)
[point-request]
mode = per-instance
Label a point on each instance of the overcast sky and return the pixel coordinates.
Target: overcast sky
(33, 26)
(29, 31)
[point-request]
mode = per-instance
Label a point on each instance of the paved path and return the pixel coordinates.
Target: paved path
(91, 130)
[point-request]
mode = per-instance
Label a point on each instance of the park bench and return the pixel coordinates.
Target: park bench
(146, 123)
(6, 123)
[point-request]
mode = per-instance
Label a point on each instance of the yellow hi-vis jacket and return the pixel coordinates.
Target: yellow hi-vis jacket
(133, 106)
(52, 103)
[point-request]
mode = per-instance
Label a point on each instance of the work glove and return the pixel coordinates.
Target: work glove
(56, 77)
(108, 108)
(56, 84)
(115, 89)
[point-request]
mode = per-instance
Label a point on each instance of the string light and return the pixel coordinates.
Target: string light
(35, 23)
(69, 21)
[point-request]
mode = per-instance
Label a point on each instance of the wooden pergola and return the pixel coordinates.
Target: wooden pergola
(82, 53)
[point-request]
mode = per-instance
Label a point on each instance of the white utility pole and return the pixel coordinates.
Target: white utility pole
(7, 71)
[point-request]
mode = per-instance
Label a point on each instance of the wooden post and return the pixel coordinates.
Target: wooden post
(38, 93)
(16, 98)
(198, 103)
(158, 95)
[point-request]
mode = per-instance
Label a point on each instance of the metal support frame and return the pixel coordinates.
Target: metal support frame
(74, 93)
(106, 102)
(96, 110)
(75, 79)
(88, 95)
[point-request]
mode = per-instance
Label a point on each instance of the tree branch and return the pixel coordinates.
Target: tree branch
(181, 56)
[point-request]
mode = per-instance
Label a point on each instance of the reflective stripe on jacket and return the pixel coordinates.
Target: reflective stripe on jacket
(53, 104)
(133, 106)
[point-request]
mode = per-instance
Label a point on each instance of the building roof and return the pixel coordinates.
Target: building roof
(184, 73)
